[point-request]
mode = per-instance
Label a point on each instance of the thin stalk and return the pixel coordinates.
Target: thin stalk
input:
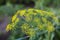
(49, 36)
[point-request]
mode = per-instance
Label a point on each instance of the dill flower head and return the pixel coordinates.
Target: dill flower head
(8, 27)
(33, 19)
(14, 18)
(25, 26)
(50, 27)
(22, 12)
(30, 32)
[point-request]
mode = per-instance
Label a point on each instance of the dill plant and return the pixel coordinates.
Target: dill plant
(37, 24)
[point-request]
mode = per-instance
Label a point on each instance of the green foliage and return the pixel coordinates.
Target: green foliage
(41, 4)
(10, 10)
(37, 24)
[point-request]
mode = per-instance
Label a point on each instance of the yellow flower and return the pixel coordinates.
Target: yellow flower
(17, 20)
(44, 20)
(37, 20)
(22, 12)
(42, 13)
(8, 27)
(38, 11)
(50, 14)
(30, 10)
(28, 17)
(14, 23)
(49, 23)
(56, 19)
(25, 26)
(14, 18)
(50, 27)
(30, 32)
(40, 26)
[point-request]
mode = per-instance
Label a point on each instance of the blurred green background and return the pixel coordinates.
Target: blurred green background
(11, 6)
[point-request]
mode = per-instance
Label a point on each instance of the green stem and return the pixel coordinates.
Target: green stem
(48, 35)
